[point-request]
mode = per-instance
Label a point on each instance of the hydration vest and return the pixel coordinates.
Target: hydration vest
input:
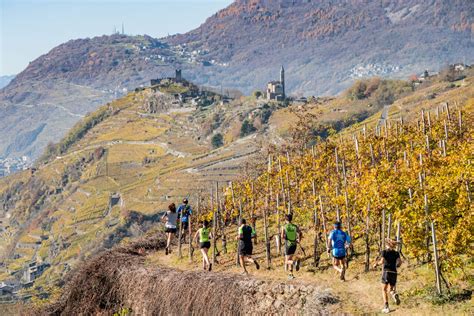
(204, 235)
(291, 232)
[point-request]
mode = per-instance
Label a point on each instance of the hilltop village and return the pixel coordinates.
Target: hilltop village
(12, 165)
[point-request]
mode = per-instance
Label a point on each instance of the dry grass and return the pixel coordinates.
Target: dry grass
(118, 280)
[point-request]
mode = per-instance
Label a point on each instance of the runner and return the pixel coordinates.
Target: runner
(204, 243)
(339, 241)
(184, 212)
(292, 234)
(246, 233)
(170, 217)
(391, 260)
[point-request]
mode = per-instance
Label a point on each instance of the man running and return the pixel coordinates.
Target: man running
(245, 235)
(390, 258)
(339, 241)
(204, 244)
(292, 235)
(184, 212)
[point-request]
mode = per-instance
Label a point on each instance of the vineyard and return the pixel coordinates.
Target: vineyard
(409, 181)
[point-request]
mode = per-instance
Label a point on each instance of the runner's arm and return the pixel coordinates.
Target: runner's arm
(329, 242)
(239, 234)
(196, 235)
(300, 234)
(348, 240)
(399, 261)
(378, 262)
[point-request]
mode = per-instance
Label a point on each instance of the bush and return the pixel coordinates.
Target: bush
(363, 89)
(257, 94)
(384, 92)
(247, 128)
(217, 140)
(265, 115)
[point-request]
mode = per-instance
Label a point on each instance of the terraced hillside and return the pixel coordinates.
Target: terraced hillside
(107, 180)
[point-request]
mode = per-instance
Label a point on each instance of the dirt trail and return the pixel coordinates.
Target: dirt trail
(119, 279)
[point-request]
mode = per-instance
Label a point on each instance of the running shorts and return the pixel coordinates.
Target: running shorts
(206, 245)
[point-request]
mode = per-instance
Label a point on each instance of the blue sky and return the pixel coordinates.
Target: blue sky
(30, 28)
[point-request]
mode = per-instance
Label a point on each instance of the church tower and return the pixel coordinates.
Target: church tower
(282, 80)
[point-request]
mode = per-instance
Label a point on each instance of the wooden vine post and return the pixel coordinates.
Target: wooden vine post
(214, 220)
(265, 213)
(436, 263)
(222, 227)
(316, 254)
(190, 236)
(278, 237)
(427, 228)
(252, 214)
(367, 239)
(348, 211)
(382, 231)
(324, 225)
(237, 262)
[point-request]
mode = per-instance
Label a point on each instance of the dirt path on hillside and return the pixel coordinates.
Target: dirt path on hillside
(361, 293)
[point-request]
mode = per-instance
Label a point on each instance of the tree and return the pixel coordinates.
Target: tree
(265, 115)
(217, 140)
(257, 94)
(247, 128)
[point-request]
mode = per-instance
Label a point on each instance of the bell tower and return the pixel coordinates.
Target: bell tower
(282, 80)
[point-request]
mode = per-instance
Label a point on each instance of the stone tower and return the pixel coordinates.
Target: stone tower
(282, 80)
(178, 76)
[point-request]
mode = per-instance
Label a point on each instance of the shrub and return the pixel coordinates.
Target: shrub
(257, 94)
(265, 115)
(247, 128)
(217, 140)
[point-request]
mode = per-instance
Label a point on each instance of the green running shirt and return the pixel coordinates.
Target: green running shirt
(204, 235)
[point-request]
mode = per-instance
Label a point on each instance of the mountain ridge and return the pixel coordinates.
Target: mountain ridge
(324, 45)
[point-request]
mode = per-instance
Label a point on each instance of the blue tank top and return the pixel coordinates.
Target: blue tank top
(339, 239)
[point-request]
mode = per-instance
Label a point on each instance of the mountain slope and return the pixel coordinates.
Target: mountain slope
(60, 87)
(323, 44)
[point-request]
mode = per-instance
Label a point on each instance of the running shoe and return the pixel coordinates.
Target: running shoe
(396, 298)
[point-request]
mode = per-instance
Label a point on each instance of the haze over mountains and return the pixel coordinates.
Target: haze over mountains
(5, 80)
(324, 46)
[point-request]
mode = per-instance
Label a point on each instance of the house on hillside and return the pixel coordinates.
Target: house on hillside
(276, 89)
(33, 270)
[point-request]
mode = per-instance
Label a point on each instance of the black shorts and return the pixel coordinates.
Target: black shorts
(389, 277)
(290, 249)
(185, 225)
(245, 249)
(170, 230)
(206, 244)
(339, 258)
